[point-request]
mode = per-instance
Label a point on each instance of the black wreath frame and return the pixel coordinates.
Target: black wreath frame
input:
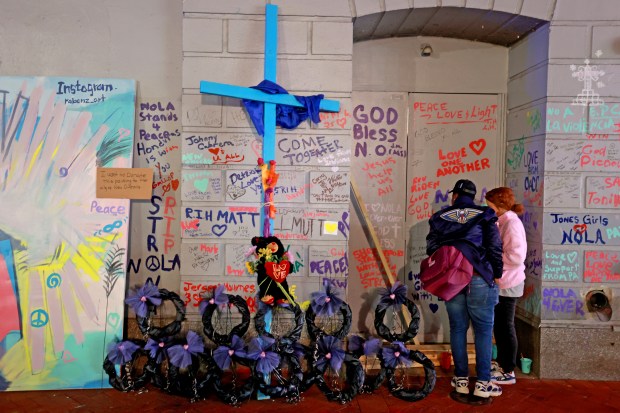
(124, 383)
(293, 335)
(308, 376)
(169, 330)
(355, 379)
(238, 330)
(154, 369)
(288, 388)
(188, 384)
(412, 395)
(371, 383)
(314, 332)
(412, 329)
(232, 397)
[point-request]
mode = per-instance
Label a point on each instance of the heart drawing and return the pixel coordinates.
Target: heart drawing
(278, 271)
(572, 256)
(478, 146)
(257, 148)
(219, 230)
(113, 320)
(201, 184)
(434, 307)
(580, 228)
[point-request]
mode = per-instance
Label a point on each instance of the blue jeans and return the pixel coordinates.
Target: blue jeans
(475, 303)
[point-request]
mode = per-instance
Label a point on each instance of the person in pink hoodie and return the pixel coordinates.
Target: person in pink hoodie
(512, 232)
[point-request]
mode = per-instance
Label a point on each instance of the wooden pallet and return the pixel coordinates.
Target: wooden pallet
(432, 351)
(369, 230)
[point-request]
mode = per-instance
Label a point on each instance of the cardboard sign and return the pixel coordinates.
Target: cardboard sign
(126, 183)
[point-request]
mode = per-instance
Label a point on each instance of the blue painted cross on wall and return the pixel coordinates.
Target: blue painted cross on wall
(270, 100)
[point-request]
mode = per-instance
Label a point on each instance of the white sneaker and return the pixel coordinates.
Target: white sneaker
(461, 384)
(499, 377)
(487, 388)
(494, 366)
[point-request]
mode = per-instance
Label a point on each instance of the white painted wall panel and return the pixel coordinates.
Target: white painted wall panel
(529, 52)
(396, 65)
(202, 35)
(332, 38)
(568, 41)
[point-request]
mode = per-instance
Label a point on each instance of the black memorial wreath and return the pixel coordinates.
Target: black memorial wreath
(384, 331)
(412, 395)
(238, 330)
(315, 331)
(169, 330)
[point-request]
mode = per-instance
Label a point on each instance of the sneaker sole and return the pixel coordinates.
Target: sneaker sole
(481, 392)
(501, 382)
(485, 396)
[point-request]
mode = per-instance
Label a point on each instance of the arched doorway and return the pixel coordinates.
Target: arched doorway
(430, 97)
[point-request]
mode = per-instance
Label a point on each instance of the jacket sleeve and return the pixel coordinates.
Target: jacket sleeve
(431, 240)
(514, 243)
(493, 244)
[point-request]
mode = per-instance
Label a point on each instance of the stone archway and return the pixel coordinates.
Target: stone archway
(505, 23)
(433, 25)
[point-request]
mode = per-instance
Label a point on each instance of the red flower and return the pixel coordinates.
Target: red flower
(268, 299)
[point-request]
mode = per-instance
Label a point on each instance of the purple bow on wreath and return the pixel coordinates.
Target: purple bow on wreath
(330, 353)
(259, 350)
(147, 293)
(396, 354)
(181, 354)
(394, 296)
(157, 349)
(219, 297)
(121, 353)
(370, 347)
(223, 354)
(325, 303)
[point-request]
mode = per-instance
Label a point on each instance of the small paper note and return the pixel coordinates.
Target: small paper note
(125, 183)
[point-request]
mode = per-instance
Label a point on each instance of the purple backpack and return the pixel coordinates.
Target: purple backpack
(446, 272)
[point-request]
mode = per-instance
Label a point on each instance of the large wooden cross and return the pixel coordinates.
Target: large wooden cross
(270, 100)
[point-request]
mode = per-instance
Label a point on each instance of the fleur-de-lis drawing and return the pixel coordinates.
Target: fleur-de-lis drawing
(588, 74)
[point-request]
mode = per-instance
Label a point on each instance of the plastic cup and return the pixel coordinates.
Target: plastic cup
(526, 365)
(494, 352)
(445, 360)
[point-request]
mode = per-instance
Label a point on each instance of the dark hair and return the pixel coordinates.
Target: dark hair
(504, 198)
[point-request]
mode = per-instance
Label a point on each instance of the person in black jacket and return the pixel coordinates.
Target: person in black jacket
(472, 229)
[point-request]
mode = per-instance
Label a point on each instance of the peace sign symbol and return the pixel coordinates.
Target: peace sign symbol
(39, 318)
(152, 263)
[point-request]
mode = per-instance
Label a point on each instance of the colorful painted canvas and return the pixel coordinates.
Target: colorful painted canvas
(62, 250)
